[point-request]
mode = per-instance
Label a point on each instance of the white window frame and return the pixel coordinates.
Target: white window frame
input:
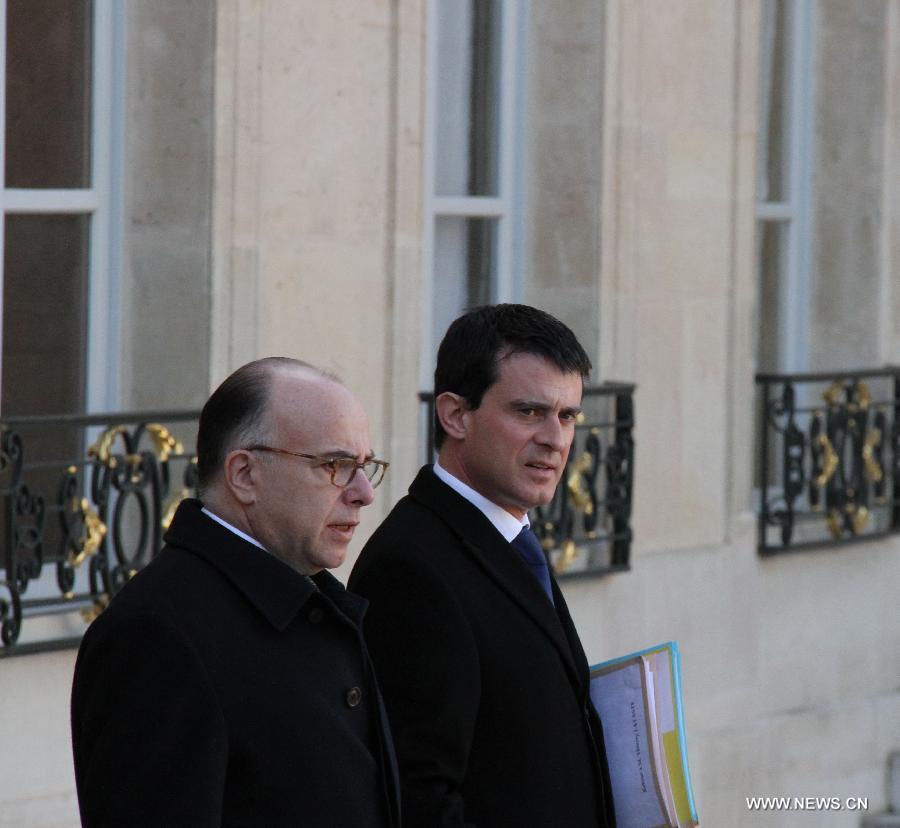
(793, 212)
(506, 207)
(101, 201)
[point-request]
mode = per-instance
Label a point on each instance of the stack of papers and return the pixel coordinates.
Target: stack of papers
(638, 697)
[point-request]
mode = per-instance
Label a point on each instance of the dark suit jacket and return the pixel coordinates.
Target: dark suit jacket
(485, 683)
(221, 687)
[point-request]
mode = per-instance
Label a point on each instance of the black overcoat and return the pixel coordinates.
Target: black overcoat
(485, 683)
(221, 687)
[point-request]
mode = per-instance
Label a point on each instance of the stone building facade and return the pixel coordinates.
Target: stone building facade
(702, 189)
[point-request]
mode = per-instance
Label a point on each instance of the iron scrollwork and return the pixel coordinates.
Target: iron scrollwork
(838, 458)
(586, 528)
(10, 614)
(112, 507)
(25, 519)
(782, 418)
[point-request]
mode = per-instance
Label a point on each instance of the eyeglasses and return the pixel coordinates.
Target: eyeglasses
(343, 469)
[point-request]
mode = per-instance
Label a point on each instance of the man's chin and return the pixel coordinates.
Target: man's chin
(530, 501)
(543, 495)
(334, 556)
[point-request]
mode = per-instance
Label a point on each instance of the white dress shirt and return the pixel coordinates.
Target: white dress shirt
(234, 529)
(505, 523)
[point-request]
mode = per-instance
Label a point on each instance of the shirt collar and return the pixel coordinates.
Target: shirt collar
(234, 529)
(505, 523)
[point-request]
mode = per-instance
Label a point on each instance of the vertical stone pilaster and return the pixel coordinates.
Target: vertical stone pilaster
(678, 226)
(236, 251)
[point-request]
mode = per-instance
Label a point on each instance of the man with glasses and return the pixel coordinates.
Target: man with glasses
(228, 682)
(483, 674)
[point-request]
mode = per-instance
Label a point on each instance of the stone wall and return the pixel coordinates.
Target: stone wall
(167, 203)
(314, 211)
(790, 663)
(318, 200)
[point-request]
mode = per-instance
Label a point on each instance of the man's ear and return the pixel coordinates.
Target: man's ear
(239, 473)
(451, 410)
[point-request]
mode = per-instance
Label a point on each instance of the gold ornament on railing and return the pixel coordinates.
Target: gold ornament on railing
(873, 469)
(860, 518)
(171, 506)
(578, 490)
(164, 442)
(567, 556)
(94, 532)
(830, 461)
(102, 448)
(834, 394)
(863, 398)
(90, 613)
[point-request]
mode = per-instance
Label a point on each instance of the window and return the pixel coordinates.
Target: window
(783, 183)
(473, 137)
(824, 408)
(58, 149)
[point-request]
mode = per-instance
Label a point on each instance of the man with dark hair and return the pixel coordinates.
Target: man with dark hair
(228, 682)
(483, 674)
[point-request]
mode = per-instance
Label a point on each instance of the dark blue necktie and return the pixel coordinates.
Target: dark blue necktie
(529, 549)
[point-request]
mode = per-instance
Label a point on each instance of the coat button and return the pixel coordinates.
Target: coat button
(353, 697)
(316, 614)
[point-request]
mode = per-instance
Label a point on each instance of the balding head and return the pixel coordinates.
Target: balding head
(238, 412)
(280, 428)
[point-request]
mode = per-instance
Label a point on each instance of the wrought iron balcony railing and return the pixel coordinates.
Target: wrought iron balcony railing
(586, 528)
(829, 458)
(91, 519)
(87, 499)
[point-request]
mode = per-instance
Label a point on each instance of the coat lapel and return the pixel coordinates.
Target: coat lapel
(499, 560)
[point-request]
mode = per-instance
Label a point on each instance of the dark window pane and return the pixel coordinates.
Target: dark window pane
(774, 98)
(48, 102)
(44, 314)
(772, 243)
(44, 348)
(772, 252)
(468, 98)
(464, 267)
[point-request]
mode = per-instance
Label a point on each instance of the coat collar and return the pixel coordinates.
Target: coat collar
(277, 591)
(499, 560)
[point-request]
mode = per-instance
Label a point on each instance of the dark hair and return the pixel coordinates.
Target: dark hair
(468, 357)
(236, 413)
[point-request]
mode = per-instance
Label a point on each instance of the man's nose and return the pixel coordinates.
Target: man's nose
(552, 434)
(359, 490)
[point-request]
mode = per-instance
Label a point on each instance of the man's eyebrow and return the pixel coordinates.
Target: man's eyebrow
(543, 406)
(530, 404)
(340, 454)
